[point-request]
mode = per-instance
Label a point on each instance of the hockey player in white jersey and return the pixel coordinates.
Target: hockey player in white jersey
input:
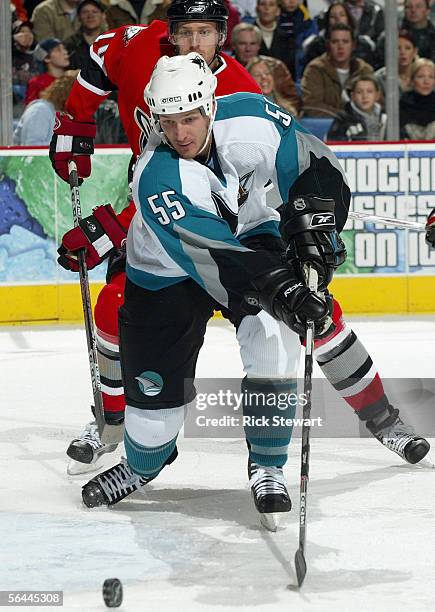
(200, 192)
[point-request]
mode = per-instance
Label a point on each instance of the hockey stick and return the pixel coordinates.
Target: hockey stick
(300, 563)
(387, 220)
(109, 434)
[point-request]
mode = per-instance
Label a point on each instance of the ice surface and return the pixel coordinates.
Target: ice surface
(192, 541)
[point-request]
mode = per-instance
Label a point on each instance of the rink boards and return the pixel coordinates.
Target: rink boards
(388, 270)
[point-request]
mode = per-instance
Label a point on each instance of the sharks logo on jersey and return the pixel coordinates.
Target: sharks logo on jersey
(143, 121)
(245, 184)
(225, 212)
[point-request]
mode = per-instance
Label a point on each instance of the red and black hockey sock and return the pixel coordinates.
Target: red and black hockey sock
(106, 321)
(350, 369)
(112, 389)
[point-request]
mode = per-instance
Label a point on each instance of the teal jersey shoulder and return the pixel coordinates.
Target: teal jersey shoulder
(245, 104)
(161, 172)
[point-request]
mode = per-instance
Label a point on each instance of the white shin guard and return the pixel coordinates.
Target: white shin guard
(152, 428)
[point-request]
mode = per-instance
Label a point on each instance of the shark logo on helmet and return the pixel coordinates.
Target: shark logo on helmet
(198, 60)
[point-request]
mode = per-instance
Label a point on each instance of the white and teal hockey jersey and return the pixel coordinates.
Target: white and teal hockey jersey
(192, 217)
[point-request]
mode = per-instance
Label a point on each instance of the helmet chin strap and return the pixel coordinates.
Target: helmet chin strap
(218, 48)
(209, 129)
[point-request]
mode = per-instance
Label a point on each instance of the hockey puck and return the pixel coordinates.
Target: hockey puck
(112, 592)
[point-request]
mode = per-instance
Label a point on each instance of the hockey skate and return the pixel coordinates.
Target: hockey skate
(115, 484)
(268, 487)
(399, 438)
(86, 450)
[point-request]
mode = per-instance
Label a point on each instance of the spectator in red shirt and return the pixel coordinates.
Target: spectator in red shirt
(20, 10)
(56, 61)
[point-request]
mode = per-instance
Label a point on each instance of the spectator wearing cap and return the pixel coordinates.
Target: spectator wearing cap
(54, 56)
(36, 125)
(326, 79)
(90, 14)
(55, 19)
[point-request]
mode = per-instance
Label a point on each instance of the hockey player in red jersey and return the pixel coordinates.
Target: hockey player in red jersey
(123, 59)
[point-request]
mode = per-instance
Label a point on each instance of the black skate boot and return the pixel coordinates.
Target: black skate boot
(268, 487)
(116, 483)
(87, 449)
(399, 438)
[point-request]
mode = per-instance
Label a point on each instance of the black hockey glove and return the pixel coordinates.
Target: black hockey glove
(430, 229)
(280, 293)
(308, 228)
(322, 328)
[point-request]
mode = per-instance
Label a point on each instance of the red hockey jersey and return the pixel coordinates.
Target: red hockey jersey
(123, 60)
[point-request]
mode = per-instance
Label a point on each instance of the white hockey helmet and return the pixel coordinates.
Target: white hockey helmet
(180, 84)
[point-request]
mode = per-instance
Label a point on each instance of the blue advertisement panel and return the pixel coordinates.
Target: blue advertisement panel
(393, 181)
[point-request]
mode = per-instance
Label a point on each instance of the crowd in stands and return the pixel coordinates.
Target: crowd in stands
(318, 59)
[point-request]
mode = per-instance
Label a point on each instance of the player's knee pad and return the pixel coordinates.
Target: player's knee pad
(152, 428)
(109, 300)
(268, 348)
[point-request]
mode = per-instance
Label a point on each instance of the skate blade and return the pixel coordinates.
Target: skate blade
(271, 520)
(425, 463)
(74, 468)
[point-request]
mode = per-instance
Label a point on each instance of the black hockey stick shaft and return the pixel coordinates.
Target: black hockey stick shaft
(300, 562)
(107, 433)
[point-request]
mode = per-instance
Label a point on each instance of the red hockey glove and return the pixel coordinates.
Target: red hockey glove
(430, 229)
(98, 234)
(72, 140)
